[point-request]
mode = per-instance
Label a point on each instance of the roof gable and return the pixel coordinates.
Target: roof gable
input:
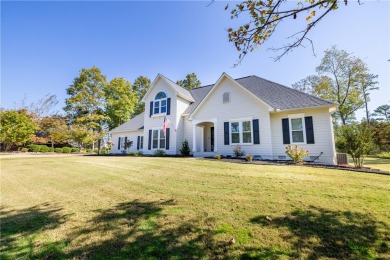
(219, 81)
(179, 91)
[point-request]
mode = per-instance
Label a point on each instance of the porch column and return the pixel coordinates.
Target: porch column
(202, 139)
(215, 136)
(194, 138)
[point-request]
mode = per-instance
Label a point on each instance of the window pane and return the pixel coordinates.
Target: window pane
(162, 143)
(160, 95)
(296, 124)
(235, 127)
(155, 142)
(155, 134)
(163, 103)
(246, 126)
(297, 136)
(235, 138)
(163, 109)
(162, 134)
(156, 107)
(247, 137)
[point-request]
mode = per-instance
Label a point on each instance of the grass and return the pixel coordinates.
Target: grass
(377, 163)
(171, 208)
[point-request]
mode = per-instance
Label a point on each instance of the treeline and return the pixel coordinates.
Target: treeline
(93, 107)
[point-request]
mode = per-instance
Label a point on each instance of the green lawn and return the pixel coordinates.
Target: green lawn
(86, 207)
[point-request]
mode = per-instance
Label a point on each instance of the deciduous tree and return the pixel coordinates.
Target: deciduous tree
(55, 129)
(367, 84)
(342, 79)
(263, 17)
(86, 104)
(356, 140)
(120, 102)
(16, 128)
(140, 87)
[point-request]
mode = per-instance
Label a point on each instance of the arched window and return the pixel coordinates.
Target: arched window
(160, 103)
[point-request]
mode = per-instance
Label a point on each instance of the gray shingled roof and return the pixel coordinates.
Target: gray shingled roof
(134, 124)
(198, 94)
(278, 96)
(275, 95)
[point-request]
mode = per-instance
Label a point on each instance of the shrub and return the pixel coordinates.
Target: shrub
(384, 155)
(103, 151)
(238, 152)
(89, 150)
(24, 150)
(159, 153)
(185, 148)
(131, 154)
(66, 150)
(74, 150)
(217, 156)
(248, 157)
(356, 140)
(51, 149)
(296, 154)
(139, 153)
(58, 150)
(34, 148)
(44, 149)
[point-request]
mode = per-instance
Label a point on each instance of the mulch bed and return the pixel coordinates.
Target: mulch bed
(308, 164)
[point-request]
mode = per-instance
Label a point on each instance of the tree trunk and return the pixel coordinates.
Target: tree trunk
(99, 146)
(367, 112)
(343, 120)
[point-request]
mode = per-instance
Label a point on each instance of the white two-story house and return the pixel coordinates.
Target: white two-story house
(260, 116)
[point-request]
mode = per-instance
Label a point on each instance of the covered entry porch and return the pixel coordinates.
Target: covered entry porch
(204, 137)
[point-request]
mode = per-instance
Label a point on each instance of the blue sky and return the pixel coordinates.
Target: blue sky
(45, 44)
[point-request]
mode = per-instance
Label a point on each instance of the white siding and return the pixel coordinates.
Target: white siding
(323, 134)
(132, 136)
(182, 105)
(242, 105)
(157, 121)
(187, 130)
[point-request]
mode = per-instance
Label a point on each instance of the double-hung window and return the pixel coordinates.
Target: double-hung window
(158, 141)
(141, 142)
(122, 143)
(241, 132)
(297, 129)
(160, 103)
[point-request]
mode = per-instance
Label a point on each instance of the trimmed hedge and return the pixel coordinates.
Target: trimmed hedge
(58, 150)
(44, 149)
(66, 149)
(34, 148)
(74, 150)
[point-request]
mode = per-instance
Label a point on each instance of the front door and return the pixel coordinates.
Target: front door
(212, 138)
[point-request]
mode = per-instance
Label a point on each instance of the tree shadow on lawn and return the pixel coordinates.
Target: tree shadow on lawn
(319, 232)
(19, 229)
(140, 230)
